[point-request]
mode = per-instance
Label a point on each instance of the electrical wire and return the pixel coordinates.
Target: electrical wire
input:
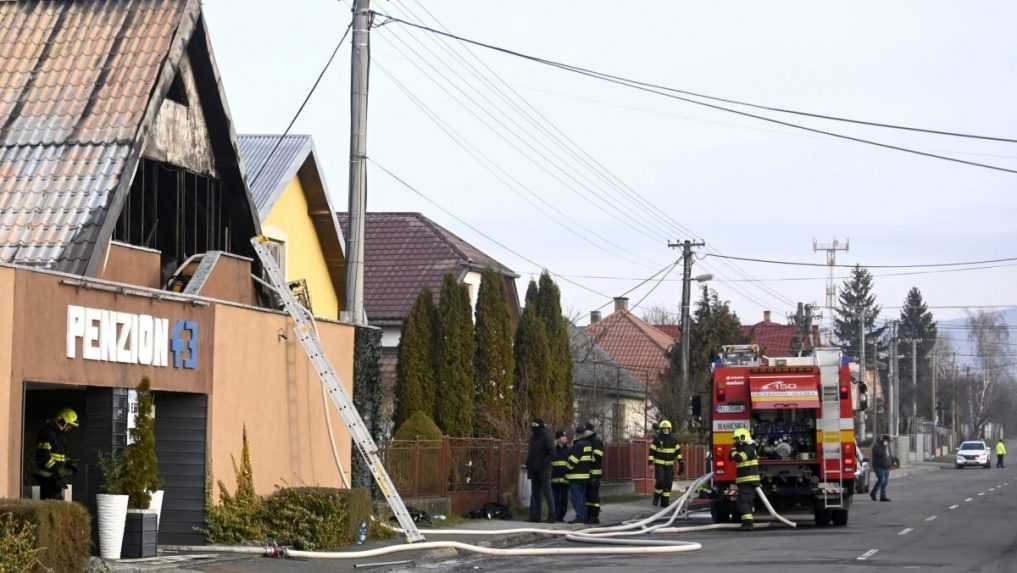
(666, 269)
(661, 92)
(300, 110)
(659, 281)
(901, 266)
(589, 164)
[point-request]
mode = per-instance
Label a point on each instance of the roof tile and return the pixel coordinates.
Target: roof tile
(634, 344)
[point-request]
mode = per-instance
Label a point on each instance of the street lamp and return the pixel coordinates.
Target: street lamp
(686, 295)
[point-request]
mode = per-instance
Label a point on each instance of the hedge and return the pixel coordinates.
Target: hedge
(62, 532)
(316, 518)
(419, 426)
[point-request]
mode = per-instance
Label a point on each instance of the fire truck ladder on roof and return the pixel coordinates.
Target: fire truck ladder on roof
(307, 334)
(828, 361)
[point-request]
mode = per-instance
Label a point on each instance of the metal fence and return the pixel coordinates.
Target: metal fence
(628, 461)
(469, 471)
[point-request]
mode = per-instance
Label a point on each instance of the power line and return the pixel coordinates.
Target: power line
(437, 205)
(902, 266)
(666, 270)
(300, 110)
(669, 94)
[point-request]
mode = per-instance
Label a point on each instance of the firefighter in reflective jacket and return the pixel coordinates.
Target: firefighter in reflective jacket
(747, 461)
(54, 469)
(578, 465)
(596, 474)
(665, 453)
(559, 467)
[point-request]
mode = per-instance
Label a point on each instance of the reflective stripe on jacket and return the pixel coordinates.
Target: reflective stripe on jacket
(665, 450)
(559, 465)
(1001, 449)
(747, 462)
(597, 456)
(578, 462)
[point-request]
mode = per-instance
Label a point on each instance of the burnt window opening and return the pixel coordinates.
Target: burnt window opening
(177, 92)
(177, 212)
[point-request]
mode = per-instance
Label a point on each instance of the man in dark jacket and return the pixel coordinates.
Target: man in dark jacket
(538, 469)
(881, 465)
(54, 469)
(559, 484)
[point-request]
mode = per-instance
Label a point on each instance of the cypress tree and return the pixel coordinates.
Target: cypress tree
(455, 375)
(415, 375)
(141, 476)
(532, 355)
(493, 360)
(559, 366)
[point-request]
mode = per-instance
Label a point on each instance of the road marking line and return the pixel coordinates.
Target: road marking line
(905, 531)
(992, 489)
(931, 518)
(954, 506)
(968, 500)
(981, 493)
(867, 554)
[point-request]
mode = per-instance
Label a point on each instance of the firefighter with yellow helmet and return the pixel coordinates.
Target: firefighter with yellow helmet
(747, 462)
(54, 469)
(665, 453)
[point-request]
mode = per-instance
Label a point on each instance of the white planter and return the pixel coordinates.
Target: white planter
(112, 514)
(155, 505)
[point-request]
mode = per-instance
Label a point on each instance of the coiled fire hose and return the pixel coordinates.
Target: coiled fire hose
(614, 540)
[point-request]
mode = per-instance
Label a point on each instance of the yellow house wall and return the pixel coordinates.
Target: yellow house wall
(304, 259)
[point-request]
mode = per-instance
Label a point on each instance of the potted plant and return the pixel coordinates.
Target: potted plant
(111, 505)
(141, 481)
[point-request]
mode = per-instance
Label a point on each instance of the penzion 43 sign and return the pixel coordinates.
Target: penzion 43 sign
(112, 336)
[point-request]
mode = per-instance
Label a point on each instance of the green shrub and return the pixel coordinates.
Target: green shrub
(60, 534)
(419, 426)
(237, 518)
(141, 467)
(315, 518)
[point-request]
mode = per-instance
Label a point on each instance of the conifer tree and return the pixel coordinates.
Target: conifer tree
(559, 368)
(857, 306)
(532, 355)
(415, 373)
(141, 473)
(454, 372)
(493, 361)
(916, 322)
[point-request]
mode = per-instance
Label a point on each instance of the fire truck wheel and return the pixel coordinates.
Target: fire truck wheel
(839, 517)
(822, 517)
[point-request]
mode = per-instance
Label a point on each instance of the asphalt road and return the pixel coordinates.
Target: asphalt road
(949, 520)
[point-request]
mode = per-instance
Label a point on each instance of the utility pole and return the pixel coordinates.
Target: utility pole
(861, 365)
(831, 250)
(354, 308)
(935, 414)
(914, 389)
(686, 247)
(893, 407)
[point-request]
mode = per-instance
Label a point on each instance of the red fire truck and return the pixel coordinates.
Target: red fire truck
(799, 411)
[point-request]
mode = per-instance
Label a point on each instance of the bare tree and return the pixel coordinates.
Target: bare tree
(660, 314)
(990, 337)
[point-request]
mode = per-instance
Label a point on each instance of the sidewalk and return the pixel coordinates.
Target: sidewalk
(169, 560)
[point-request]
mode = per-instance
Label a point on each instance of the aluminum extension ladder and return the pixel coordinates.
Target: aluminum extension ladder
(307, 334)
(828, 361)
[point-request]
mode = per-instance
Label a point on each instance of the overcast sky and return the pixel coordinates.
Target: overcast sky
(748, 188)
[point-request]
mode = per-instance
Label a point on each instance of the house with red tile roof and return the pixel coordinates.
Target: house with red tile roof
(633, 344)
(405, 252)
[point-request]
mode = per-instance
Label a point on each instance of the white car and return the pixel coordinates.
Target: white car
(973, 453)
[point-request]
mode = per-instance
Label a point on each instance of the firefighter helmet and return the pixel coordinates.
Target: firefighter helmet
(742, 435)
(664, 426)
(66, 418)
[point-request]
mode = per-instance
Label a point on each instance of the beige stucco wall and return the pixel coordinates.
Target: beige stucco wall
(10, 420)
(263, 381)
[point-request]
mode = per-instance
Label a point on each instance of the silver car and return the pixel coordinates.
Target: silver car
(973, 453)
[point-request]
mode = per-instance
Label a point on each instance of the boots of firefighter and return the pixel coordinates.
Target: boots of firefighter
(656, 498)
(747, 521)
(665, 499)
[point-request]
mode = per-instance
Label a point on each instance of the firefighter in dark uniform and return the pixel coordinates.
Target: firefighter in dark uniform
(747, 461)
(665, 453)
(578, 465)
(54, 468)
(596, 474)
(559, 467)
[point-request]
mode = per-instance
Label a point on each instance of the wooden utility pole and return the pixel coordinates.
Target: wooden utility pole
(359, 71)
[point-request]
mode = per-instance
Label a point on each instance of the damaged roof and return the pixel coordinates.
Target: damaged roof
(405, 252)
(80, 85)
